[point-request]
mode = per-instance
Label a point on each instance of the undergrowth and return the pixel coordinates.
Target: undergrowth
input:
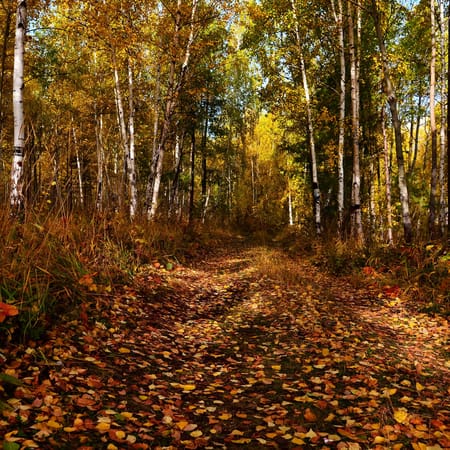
(50, 266)
(421, 271)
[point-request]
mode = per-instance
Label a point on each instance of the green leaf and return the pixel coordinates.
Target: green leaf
(9, 379)
(11, 446)
(4, 406)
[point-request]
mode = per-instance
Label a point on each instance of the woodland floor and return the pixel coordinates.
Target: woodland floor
(216, 356)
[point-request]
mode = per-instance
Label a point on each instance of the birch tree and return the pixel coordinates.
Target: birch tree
(310, 126)
(175, 85)
(354, 32)
(339, 19)
(7, 16)
(444, 107)
(432, 217)
(16, 195)
(396, 122)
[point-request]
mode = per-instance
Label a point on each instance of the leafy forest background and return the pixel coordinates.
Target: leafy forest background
(125, 126)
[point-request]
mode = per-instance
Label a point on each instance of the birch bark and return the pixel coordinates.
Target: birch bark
(338, 17)
(16, 194)
(354, 38)
(432, 218)
(310, 127)
(131, 166)
(396, 122)
(172, 100)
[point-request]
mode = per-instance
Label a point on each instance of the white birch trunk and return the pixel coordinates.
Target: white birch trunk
(158, 158)
(443, 141)
(16, 195)
(100, 159)
(122, 128)
(79, 168)
(338, 17)
(291, 211)
(387, 180)
(131, 166)
(312, 147)
(396, 122)
(354, 40)
(432, 218)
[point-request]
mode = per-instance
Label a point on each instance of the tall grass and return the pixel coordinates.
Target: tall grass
(49, 265)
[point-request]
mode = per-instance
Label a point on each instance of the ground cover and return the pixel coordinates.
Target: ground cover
(227, 353)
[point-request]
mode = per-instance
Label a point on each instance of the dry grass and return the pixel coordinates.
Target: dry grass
(50, 265)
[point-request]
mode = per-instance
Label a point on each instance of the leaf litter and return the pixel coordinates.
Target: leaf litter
(220, 355)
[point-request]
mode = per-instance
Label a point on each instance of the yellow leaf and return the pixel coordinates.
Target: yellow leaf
(103, 427)
(401, 415)
(190, 427)
(30, 444)
(126, 414)
(419, 446)
(334, 437)
(297, 441)
(225, 416)
(112, 447)
(182, 424)
(311, 434)
(237, 433)
(53, 424)
(379, 440)
(120, 434)
(188, 387)
(196, 434)
(124, 350)
(276, 367)
(241, 441)
(388, 392)
(325, 351)
(131, 439)
(419, 387)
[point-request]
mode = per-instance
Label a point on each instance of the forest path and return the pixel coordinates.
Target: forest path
(224, 354)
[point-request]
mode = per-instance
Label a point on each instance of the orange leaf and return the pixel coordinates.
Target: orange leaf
(309, 415)
(7, 311)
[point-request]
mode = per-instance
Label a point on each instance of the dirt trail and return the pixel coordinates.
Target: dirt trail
(220, 355)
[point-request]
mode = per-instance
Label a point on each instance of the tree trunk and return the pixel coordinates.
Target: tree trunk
(131, 166)
(172, 100)
(174, 202)
(448, 128)
(122, 130)
(205, 195)
(79, 168)
(356, 210)
(387, 179)
(100, 159)
(415, 147)
(149, 188)
(6, 31)
(432, 218)
(338, 17)
(192, 181)
(443, 142)
(310, 128)
(392, 101)
(290, 208)
(16, 195)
